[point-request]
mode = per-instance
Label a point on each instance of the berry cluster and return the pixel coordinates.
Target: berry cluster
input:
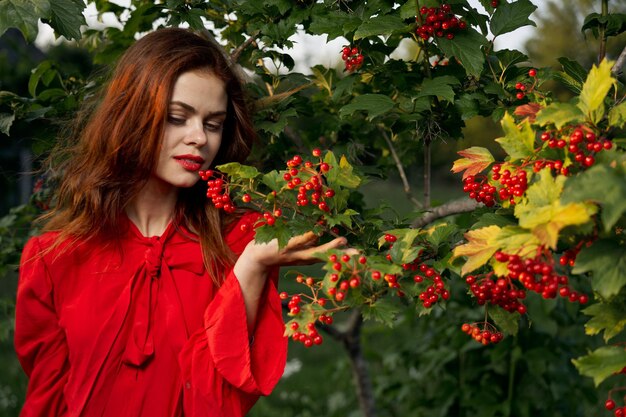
(352, 57)
(523, 88)
(578, 141)
(439, 22)
(309, 338)
(346, 274)
(435, 289)
(484, 332)
(218, 190)
(538, 275)
(431, 288)
(513, 184)
(617, 412)
(308, 178)
(497, 291)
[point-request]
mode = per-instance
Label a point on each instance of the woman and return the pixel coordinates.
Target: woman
(141, 299)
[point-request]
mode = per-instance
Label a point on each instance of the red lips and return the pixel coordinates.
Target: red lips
(190, 162)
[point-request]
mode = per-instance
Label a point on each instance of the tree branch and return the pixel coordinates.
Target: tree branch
(360, 370)
(617, 67)
(234, 56)
(400, 167)
(452, 207)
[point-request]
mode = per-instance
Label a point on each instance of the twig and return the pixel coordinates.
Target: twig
(234, 56)
(617, 67)
(427, 170)
(452, 207)
(400, 167)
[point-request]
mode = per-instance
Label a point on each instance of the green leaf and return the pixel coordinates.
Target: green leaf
(276, 127)
(279, 231)
(67, 17)
(373, 104)
(573, 69)
(510, 16)
(344, 175)
(274, 180)
(601, 363)
(617, 115)
(37, 73)
(466, 47)
(6, 120)
(598, 83)
(518, 141)
(543, 213)
(382, 311)
(380, 25)
(493, 219)
(508, 57)
(559, 114)
(508, 323)
(603, 184)
(408, 9)
(237, 170)
(333, 25)
(439, 87)
(607, 317)
(440, 233)
(24, 15)
(606, 260)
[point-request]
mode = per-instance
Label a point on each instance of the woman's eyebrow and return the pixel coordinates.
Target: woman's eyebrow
(192, 109)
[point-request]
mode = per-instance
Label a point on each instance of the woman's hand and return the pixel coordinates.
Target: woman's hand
(257, 259)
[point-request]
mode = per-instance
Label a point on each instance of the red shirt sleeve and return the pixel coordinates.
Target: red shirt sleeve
(222, 370)
(40, 342)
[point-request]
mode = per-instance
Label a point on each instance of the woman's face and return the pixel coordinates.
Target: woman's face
(193, 130)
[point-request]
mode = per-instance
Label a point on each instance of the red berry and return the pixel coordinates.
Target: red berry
(246, 198)
(609, 404)
(532, 72)
(317, 152)
(324, 167)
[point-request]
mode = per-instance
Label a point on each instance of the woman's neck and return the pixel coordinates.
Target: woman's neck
(153, 208)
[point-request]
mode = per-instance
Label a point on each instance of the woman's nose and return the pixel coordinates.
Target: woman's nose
(196, 135)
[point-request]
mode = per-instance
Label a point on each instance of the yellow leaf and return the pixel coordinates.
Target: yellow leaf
(596, 87)
(479, 248)
(544, 215)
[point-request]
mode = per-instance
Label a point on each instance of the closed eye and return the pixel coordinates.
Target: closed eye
(175, 120)
(213, 126)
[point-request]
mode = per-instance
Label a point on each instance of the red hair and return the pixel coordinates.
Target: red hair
(118, 147)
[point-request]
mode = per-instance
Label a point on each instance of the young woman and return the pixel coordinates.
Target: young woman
(140, 298)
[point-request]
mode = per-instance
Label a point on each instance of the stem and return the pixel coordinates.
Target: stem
(352, 343)
(602, 31)
(617, 67)
(509, 398)
(462, 205)
(234, 56)
(400, 167)
(427, 173)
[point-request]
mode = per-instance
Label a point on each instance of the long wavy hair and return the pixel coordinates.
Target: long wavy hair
(116, 147)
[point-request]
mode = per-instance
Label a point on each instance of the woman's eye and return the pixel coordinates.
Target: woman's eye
(175, 120)
(213, 127)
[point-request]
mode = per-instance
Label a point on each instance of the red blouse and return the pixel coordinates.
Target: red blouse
(139, 329)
